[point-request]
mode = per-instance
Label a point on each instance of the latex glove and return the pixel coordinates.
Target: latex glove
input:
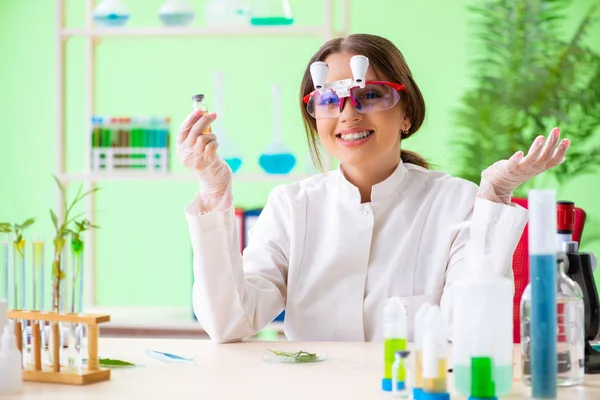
(198, 152)
(500, 179)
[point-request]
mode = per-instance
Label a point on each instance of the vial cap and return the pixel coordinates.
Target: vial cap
(198, 97)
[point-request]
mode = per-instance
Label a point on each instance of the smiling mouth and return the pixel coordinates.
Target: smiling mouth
(350, 137)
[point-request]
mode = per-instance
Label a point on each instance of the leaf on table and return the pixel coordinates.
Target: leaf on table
(108, 362)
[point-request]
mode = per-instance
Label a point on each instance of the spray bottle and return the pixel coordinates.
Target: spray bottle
(435, 352)
(419, 326)
(394, 332)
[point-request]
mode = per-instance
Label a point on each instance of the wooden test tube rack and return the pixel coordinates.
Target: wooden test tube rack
(57, 374)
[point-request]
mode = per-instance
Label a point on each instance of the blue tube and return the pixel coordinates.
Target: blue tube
(543, 326)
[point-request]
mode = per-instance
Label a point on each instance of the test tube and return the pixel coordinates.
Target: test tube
(37, 273)
(5, 265)
(19, 275)
(38, 338)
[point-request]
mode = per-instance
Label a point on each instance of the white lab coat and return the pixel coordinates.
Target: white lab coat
(331, 262)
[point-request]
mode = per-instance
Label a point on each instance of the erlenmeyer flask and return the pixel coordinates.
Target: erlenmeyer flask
(270, 12)
(111, 13)
(227, 150)
(277, 159)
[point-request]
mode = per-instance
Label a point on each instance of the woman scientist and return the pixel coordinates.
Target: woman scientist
(332, 248)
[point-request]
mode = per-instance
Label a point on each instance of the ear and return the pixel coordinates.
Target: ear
(405, 127)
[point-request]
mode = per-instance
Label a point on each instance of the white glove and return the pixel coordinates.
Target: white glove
(198, 152)
(500, 179)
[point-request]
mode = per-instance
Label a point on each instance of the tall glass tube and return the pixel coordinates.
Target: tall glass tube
(74, 303)
(37, 273)
(542, 261)
(20, 292)
(37, 288)
(19, 274)
(4, 265)
(76, 284)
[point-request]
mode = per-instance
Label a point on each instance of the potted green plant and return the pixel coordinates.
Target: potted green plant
(528, 79)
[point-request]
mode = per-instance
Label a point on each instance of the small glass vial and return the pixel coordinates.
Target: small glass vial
(570, 326)
(402, 363)
(199, 104)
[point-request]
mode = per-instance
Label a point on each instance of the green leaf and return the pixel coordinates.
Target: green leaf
(299, 356)
(107, 362)
(5, 227)
(28, 223)
(54, 219)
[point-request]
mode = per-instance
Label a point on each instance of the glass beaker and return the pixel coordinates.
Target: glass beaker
(277, 159)
(176, 13)
(270, 12)
(570, 325)
(111, 13)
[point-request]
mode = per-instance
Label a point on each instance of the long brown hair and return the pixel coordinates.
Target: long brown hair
(385, 58)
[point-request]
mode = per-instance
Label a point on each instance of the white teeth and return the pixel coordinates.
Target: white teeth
(355, 135)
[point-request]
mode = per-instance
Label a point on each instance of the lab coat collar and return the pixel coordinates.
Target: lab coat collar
(379, 191)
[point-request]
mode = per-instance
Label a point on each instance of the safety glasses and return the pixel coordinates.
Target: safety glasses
(375, 96)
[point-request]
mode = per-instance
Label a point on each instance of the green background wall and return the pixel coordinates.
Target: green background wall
(143, 246)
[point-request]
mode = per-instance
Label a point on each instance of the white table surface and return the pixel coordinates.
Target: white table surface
(237, 371)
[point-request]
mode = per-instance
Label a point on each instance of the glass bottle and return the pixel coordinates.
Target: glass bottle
(570, 326)
(199, 104)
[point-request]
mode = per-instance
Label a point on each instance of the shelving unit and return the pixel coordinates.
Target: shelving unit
(93, 36)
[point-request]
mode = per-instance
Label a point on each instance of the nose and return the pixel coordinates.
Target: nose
(349, 113)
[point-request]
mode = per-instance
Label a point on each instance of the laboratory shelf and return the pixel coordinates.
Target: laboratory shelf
(197, 31)
(172, 176)
(93, 35)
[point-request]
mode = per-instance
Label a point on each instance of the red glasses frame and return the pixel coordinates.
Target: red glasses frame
(395, 86)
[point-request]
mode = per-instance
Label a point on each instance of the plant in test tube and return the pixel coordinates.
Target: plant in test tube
(76, 278)
(18, 302)
(62, 231)
(19, 293)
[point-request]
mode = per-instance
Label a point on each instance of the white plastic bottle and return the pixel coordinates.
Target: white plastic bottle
(3, 314)
(10, 363)
(483, 305)
(394, 333)
(419, 328)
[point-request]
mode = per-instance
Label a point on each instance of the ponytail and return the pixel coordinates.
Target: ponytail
(410, 157)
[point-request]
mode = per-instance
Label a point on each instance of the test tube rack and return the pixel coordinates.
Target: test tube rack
(37, 372)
